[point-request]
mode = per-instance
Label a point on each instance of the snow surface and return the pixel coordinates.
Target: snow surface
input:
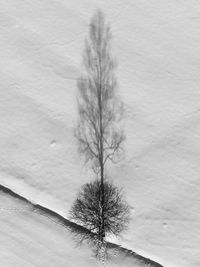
(29, 238)
(156, 44)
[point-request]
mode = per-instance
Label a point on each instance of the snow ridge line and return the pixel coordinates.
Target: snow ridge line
(57, 218)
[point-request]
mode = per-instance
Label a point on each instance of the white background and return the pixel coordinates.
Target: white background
(157, 46)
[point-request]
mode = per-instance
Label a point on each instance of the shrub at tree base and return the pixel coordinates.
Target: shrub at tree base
(86, 209)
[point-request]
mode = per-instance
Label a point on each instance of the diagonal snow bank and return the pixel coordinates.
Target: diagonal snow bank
(35, 236)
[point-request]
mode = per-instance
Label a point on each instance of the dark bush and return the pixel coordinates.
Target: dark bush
(86, 209)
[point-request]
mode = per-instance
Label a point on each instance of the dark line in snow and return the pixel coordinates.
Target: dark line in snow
(73, 226)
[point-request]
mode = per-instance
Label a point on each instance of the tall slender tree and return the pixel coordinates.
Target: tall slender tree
(99, 108)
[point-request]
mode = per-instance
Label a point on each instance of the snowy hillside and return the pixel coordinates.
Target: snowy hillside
(156, 44)
(33, 236)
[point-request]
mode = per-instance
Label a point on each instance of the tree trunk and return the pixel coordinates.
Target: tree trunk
(102, 230)
(101, 159)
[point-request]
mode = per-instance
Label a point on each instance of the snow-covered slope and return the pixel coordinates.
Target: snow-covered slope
(33, 236)
(156, 44)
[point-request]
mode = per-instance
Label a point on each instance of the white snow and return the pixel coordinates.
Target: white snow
(156, 44)
(32, 239)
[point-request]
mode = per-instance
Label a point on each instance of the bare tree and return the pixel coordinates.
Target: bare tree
(86, 208)
(86, 211)
(99, 108)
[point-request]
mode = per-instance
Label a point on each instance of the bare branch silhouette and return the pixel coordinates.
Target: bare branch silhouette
(99, 206)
